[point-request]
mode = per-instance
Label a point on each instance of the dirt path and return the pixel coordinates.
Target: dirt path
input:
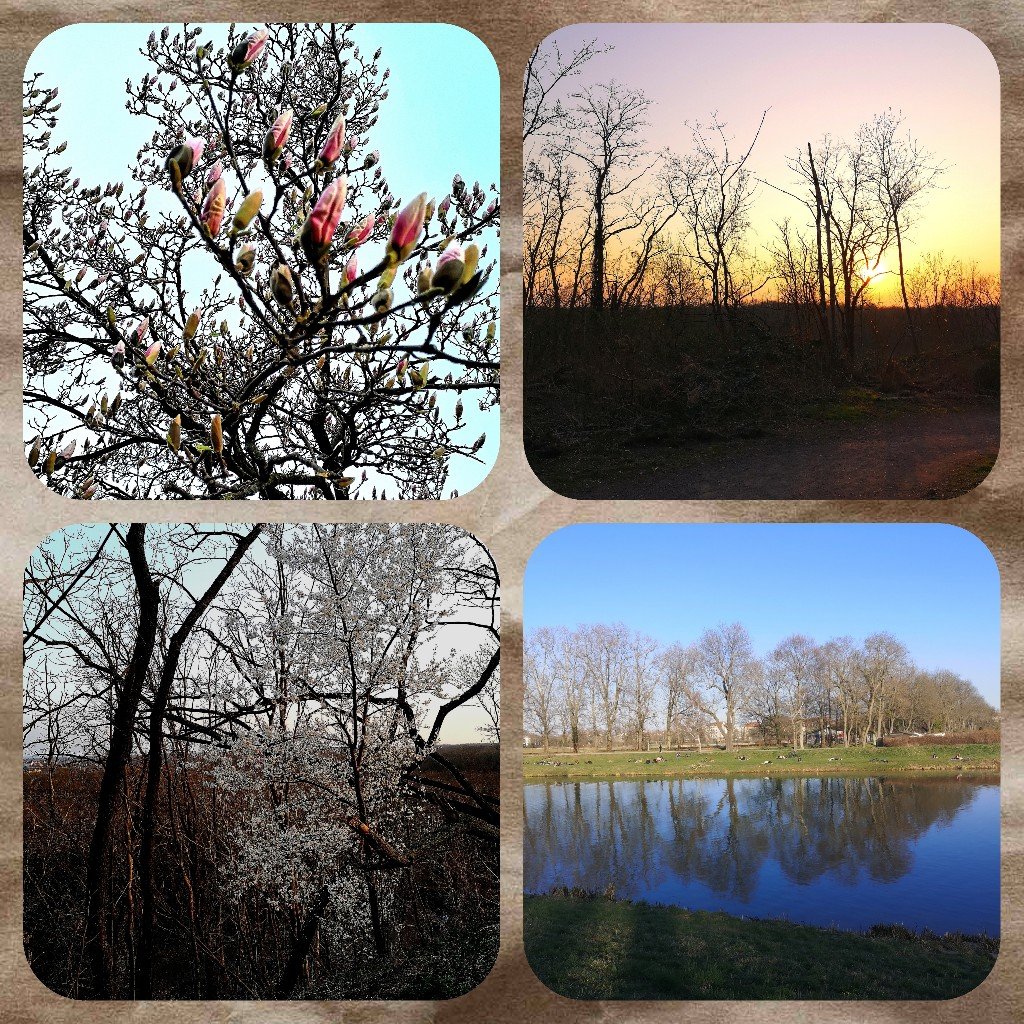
(920, 454)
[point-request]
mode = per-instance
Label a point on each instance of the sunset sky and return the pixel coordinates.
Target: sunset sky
(820, 79)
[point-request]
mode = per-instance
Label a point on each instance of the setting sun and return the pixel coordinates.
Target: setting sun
(869, 273)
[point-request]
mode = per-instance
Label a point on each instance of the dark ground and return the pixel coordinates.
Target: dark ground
(650, 403)
(919, 453)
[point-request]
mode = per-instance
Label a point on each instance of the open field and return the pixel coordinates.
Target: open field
(592, 947)
(973, 757)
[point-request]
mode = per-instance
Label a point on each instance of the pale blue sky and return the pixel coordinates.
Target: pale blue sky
(442, 117)
(935, 587)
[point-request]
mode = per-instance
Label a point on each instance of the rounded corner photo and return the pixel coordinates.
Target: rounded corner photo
(740, 287)
(762, 762)
(254, 268)
(261, 762)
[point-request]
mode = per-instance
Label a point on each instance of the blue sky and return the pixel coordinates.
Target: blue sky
(935, 587)
(443, 109)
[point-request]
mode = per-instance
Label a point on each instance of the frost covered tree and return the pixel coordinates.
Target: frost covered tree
(251, 311)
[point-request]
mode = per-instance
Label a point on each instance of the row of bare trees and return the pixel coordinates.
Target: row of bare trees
(608, 685)
(236, 783)
(611, 223)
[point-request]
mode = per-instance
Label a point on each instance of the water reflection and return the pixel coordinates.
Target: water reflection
(839, 850)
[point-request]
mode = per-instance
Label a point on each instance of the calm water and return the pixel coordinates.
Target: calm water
(836, 850)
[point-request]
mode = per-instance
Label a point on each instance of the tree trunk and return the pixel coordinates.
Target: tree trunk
(97, 937)
(144, 981)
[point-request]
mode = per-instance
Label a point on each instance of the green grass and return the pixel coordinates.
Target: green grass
(976, 757)
(590, 947)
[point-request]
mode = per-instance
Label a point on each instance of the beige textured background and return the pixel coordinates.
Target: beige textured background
(511, 511)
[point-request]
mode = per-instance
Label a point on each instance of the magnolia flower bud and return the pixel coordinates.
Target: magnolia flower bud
(371, 159)
(141, 329)
(50, 464)
(333, 144)
(247, 212)
(319, 228)
(282, 286)
(34, 452)
(248, 50)
(214, 173)
(361, 232)
(68, 451)
(274, 143)
(217, 434)
(351, 269)
(245, 260)
(449, 270)
(174, 433)
(382, 300)
(472, 258)
(117, 356)
(192, 324)
(408, 227)
(212, 214)
(151, 353)
(179, 162)
(423, 281)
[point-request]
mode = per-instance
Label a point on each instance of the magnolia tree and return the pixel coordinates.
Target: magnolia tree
(252, 312)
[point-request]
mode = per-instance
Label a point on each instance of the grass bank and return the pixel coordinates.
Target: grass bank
(968, 757)
(591, 947)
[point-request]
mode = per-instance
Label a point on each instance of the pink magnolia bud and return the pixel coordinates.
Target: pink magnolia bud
(197, 146)
(371, 159)
(453, 252)
(117, 356)
(248, 49)
(332, 147)
(151, 353)
(214, 173)
(351, 269)
(361, 232)
(318, 230)
(450, 266)
(213, 209)
(274, 143)
(445, 206)
(408, 226)
(140, 330)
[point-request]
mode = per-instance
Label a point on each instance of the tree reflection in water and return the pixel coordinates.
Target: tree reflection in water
(754, 846)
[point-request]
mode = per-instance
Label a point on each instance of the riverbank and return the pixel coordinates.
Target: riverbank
(593, 947)
(970, 757)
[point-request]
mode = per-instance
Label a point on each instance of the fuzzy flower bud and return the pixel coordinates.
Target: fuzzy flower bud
(214, 173)
(212, 214)
(361, 232)
(319, 228)
(351, 269)
(246, 259)
(334, 143)
(408, 226)
(274, 143)
(192, 324)
(282, 286)
(247, 212)
(450, 266)
(248, 50)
